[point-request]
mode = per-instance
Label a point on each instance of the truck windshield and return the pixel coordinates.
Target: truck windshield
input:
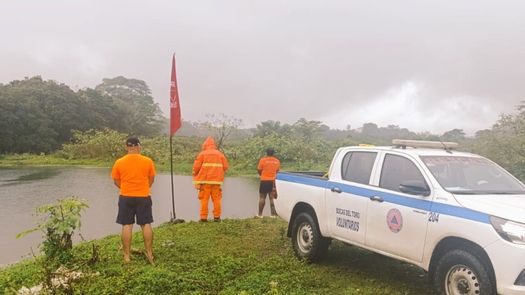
(471, 175)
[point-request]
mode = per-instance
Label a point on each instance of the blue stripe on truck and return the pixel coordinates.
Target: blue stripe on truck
(393, 198)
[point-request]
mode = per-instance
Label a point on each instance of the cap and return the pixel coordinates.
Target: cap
(132, 141)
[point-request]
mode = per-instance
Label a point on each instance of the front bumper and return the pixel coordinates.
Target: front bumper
(508, 260)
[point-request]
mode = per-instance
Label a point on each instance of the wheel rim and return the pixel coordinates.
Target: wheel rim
(461, 280)
(305, 237)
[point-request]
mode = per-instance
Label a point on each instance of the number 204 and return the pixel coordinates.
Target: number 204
(433, 217)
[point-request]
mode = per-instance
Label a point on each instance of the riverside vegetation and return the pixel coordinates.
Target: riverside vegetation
(251, 256)
(304, 145)
(47, 123)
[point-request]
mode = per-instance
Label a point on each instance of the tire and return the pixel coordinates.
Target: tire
(307, 241)
(460, 272)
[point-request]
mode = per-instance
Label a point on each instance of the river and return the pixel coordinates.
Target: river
(24, 189)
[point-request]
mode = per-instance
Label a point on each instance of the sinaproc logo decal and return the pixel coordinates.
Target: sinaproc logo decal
(394, 220)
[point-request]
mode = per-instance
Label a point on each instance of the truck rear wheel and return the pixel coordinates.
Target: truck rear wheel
(459, 272)
(308, 243)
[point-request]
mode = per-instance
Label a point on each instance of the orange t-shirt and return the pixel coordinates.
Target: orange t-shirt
(133, 171)
(269, 167)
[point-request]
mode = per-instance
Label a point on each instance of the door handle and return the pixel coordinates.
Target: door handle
(377, 199)
(336, 190)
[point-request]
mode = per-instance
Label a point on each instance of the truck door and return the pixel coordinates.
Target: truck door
(397, 219)
(346, 209)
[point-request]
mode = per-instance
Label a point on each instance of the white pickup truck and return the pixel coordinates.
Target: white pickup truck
(457, 215)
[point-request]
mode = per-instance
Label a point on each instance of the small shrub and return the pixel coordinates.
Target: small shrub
(103, 144)
(58, 224)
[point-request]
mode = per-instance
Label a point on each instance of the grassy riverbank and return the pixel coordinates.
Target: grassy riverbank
(179, 168)
(251, 256)
(14, 160)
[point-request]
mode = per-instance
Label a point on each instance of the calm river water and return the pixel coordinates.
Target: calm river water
(24, 189)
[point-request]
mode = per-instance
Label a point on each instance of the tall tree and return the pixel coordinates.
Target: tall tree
(99, 110)
(307, 130)
(221, 127)
(136, 110)
(454, 135)
(504, 143)
(37, 115)
(270, 127)
(370, 129)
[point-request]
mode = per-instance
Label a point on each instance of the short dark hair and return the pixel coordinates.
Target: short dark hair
(132, 141)
(270, 152)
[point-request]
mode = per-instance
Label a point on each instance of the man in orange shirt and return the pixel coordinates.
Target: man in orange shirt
(208, 176)
(134, 174)
(267, 168)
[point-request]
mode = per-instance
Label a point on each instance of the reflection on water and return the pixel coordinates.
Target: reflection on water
(24, 189)
(32, 175)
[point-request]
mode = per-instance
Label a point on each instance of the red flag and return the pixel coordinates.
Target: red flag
(175, 118)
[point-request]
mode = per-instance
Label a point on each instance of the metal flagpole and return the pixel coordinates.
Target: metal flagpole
(173, 216)
(175, 123)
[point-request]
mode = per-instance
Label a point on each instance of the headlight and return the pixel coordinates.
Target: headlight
(509, 230)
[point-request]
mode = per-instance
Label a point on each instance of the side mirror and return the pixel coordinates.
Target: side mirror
(414, 187)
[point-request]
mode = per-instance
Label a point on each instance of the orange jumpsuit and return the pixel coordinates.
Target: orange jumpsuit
(208, 175)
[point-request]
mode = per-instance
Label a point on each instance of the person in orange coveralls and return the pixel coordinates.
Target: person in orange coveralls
(268, 167)
(208, 176)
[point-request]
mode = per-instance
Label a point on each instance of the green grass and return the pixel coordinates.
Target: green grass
(14, 160)
(251, 256)
(179, 168)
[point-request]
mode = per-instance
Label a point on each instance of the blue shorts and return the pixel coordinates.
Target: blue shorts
(266, 186)
(129, 207)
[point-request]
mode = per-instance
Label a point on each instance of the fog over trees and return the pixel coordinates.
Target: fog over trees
(44, 116)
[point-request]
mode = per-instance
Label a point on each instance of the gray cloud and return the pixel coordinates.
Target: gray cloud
(423, 65)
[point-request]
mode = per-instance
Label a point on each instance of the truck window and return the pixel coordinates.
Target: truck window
(471, 175)
(357, 166)
(396, 170)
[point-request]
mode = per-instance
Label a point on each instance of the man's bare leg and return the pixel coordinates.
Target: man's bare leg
(127, 231)
(147, 233)
(272, 207)
(262, 202)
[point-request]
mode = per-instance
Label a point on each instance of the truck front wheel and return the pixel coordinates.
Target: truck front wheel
(308, 243)
(460, 272)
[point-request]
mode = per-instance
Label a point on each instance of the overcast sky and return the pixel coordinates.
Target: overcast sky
(423, 65)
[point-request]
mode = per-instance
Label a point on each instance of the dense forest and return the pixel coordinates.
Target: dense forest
(47, 117)
(39, 116)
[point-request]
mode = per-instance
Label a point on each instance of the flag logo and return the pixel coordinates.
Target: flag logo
(175, 116)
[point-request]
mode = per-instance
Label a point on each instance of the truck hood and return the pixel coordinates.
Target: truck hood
(511, 207)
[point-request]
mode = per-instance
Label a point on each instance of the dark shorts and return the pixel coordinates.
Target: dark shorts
(266, 186)
(129, 207)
